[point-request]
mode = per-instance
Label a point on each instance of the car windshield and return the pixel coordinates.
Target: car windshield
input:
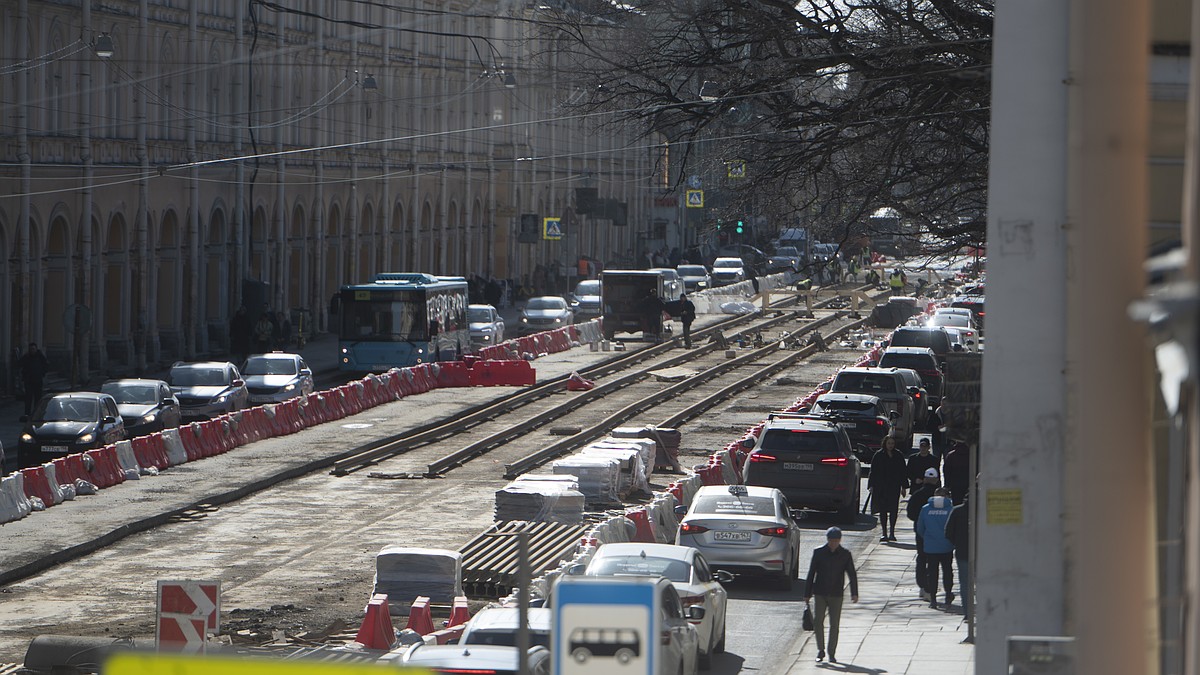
(132, 393)
(956, 320)
(546, 303)
(589, 287)
(262, 365)
(728, 505)
(692, 271)
(636, 565)
(857, 407)
(506, 638)
(727, 263)
(197, 377)
(866, 383)
(69, 410)
(479, 314)
(789, 251)
(913, 361)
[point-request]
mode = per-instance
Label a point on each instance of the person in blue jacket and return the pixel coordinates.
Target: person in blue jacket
(931, 529)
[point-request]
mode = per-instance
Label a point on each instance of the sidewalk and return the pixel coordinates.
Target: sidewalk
(891, 630)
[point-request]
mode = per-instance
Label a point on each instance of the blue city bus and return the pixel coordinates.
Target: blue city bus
(402, 319)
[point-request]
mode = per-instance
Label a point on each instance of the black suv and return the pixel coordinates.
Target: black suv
(933, 337)
(922, 360)
(809, 460)
(864, 418)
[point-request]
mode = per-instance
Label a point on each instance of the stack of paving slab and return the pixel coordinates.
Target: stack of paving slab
(667, 443)
(636, 457)
(541, 498)
(599, 477)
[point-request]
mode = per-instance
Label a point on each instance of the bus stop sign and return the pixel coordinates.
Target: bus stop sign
(605, 625)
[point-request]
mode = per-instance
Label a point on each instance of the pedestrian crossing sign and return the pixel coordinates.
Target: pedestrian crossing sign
(695, 199)
(552, 229)
(736, 168)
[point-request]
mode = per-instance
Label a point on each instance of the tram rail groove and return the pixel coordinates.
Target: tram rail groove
(372, 453)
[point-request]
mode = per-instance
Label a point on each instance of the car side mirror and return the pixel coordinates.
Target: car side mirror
(893, 415)
(109, 419)
(239, 383)
(748, 443)
(796, 514)
(723, 577)
(695, 613)
(306, 371)
(681, 510)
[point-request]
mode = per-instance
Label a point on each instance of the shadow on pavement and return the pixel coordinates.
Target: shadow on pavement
(816, 520)
(764, 588)
(849, 668)
(726, 664)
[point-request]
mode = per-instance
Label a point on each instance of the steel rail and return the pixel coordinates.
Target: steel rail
(481, 446)
(371, 453)
(585, 436)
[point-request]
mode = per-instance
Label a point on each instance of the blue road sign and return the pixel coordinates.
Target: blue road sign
(605, 625)
(552, 229)
(695, 199)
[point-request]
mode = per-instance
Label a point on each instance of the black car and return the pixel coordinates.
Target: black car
(933, 337)
(864, 418)
(64, 424)
(922, 360)
(146, 406)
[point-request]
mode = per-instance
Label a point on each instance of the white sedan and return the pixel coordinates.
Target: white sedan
(688, 572)
(486, 325)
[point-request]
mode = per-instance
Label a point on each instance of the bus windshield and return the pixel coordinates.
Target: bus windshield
(384, 321)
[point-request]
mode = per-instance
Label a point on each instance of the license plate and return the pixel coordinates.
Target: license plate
(797, 466)
(847, 425)
(731, 536)
(55, 448)
(260, 399)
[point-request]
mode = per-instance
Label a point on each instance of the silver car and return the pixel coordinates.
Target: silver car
(545, 313)
(688, 572)
(486, 325)
(207, 390)
(744, 529)
(694, 277)
(727, 271)
(276, 377)
(585, 301)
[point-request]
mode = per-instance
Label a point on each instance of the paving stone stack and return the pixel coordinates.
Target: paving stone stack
(552, 499)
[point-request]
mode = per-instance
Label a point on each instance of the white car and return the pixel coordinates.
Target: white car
(960, 311)
(485, 324)
(498, 626)
(727, 271)
(688, 572)
(276, 377)
(960, 341)
(672, 284)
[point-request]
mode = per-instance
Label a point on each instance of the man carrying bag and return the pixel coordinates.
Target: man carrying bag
(826, 580)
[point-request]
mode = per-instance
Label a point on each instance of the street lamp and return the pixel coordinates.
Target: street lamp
(103, 46)
(369, 82)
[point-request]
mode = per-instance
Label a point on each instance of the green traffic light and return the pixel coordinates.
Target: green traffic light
(740, 227)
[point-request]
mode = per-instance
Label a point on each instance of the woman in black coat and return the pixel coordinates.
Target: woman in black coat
(887, 485)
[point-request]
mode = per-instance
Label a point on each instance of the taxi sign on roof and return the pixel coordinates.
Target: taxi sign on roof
(151, 663)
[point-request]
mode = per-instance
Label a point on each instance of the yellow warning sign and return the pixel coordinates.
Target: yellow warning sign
(1004, 507)
(152, 663)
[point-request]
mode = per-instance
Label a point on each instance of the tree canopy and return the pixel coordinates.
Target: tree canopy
(838, 107)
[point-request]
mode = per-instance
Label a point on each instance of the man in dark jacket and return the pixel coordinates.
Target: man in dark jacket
(957, 471)
(33, 367)
(687, 314)
(921, 462)
(826, 580)
(958, 531)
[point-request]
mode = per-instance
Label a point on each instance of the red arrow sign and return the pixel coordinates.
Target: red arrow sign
(187, 611)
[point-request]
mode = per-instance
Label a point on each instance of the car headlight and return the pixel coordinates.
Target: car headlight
(26, 438)
(524, 319)
(558, 320)
(87, 438)
(290, 387)
(702, 283)
(150, 418)
(221, 399)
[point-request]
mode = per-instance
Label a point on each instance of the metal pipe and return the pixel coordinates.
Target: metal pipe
(523, 602)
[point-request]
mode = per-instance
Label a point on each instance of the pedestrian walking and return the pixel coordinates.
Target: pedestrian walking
(957, 471)
(920, 462)
(239, 334)
(958, 531)
(264, 330)
(826, 581)
(752, 277)
(889, 476)
(930, 482)
(687, 314)
(931, 525)
(33, 367)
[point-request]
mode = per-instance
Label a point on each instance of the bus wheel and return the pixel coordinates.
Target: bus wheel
(580, 655)
(624, 656)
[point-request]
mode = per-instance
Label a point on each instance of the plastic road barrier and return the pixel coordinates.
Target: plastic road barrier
(14, 505)
(172, 442)
(420, 617)
(38, 484)
(377, 631)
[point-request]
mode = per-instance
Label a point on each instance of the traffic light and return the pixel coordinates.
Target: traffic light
(741, 226)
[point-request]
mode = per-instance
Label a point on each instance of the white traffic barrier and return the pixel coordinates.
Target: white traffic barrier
(125, 456)
(52, 478)
(14, 505)
(173, 444)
